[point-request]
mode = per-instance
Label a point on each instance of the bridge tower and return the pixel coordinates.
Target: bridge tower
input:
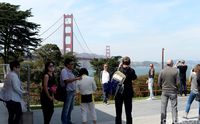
(107, 51)
(68, 33)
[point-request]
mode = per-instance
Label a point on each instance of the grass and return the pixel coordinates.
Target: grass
(56, 105)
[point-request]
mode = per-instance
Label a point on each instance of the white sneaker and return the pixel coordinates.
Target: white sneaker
(149, 98)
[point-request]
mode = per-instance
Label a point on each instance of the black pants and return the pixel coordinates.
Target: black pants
(183, 87)
(127, 99)
(14, 111)
(47, 108)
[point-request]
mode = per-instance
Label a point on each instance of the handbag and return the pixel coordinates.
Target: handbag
(119, 76)
(117, 81)
(60, 93)
(23, 105)
(197, 98)
(53, 89)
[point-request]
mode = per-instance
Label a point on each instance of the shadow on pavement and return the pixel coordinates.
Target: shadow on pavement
(102, 117)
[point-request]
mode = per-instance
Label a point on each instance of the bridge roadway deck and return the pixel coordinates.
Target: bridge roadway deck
(144, 111)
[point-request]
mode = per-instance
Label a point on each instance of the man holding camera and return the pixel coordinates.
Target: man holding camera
(182, 76)
(125, 96)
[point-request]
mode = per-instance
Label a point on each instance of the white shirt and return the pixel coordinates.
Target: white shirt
(12, 89)
(86, 85)
(105, 77)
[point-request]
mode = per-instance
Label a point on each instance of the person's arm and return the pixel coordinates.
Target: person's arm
(160, 80)
(45, 86)
(177, 78)
(17, 85)
(134, 76)
(178, 63)
(72, 80)
(94, 86)
(66, 78)
(152, 72)
(78, 87)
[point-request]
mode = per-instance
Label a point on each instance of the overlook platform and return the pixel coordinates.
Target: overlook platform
(143, 111)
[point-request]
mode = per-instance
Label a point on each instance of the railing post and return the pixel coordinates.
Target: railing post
(163, 58)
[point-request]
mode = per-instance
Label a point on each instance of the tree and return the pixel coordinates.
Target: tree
(97, 65)
(113, 62)
(18, 36)
(49, 52)
(75, 60)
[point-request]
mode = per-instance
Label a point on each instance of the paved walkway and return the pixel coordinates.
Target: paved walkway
(144, 111)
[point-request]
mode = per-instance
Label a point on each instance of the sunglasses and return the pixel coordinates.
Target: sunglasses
(71, 63)
(50, 66)
(126, 63)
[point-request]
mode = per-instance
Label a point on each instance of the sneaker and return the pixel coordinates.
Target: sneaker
(149, 98)
(185, 117)
(106, 103)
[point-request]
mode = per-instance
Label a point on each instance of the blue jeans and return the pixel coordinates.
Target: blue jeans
(189, 102)
(105, 92)
(164, 101)
(68, 107)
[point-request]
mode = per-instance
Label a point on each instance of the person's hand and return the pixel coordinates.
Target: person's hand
(78, 78)
(51, 98)
(25, 92)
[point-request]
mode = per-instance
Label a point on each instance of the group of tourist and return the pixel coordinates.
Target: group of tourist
(168, 80)
(85, 85)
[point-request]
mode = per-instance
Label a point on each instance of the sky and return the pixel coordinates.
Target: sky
(135, 28)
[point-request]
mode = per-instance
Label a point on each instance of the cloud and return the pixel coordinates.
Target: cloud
(139, 29)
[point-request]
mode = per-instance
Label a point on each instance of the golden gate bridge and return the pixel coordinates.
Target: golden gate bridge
(69, 35)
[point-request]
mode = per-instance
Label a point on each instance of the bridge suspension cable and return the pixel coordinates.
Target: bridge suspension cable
(82, 36)
(79, 42)
(52, 33)
(51, 26)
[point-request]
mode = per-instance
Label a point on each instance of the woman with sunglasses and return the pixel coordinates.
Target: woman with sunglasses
(48, 89)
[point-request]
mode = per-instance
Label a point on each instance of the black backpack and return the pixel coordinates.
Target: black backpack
(61, 92)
